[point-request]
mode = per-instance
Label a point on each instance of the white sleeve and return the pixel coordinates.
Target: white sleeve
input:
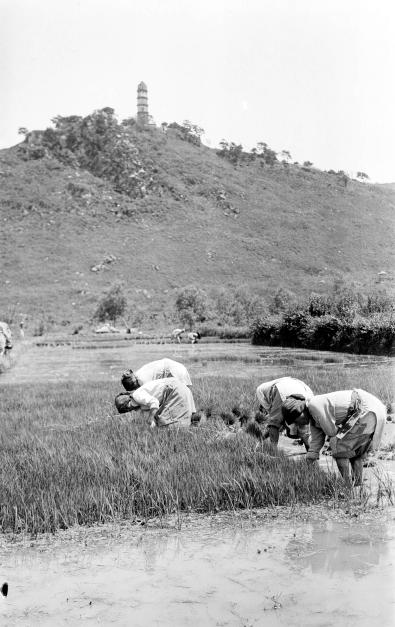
(145, 400)
(261, 392)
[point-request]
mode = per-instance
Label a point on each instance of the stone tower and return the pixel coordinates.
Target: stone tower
(142, 104)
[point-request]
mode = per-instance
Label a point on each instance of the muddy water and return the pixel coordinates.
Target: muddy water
(293, 574)
(104, 360)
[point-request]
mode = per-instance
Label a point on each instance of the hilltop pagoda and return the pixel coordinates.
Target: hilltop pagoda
(142, 105)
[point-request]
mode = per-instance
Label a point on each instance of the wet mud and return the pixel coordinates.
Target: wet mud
(318, 573)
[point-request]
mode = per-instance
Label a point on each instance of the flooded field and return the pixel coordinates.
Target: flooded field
(317, 573)
(106, 358)
(237, 570)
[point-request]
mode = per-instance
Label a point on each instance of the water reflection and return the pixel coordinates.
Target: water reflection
(336, 549)
(206, 574)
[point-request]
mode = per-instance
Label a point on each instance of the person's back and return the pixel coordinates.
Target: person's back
(161, 369)
(271, 394)
(330, 410)
(176, 334)
(176, 404)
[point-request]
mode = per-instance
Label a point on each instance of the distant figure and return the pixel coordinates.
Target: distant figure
(159, 369)
(5, 338)
(271, 396)
(21, 330)
(194, 337)
(353, 420)
(176, 335)
(107, 328)
(169, 402)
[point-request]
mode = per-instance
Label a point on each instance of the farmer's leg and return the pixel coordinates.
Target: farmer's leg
(343, 464)
(357, 470)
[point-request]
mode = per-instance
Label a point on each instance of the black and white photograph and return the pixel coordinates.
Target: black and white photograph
(197, 313)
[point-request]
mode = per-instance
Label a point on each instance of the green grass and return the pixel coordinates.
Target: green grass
(68, 458)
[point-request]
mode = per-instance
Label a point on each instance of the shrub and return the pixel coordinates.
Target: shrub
(97, 143)
(191, 305)
(112, 305)
(294, 328)
(319, 305)
(281, 301)
(236, 307)
(325, 332)
(265, 331)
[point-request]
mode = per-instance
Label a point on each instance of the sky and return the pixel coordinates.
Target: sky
(314, 77)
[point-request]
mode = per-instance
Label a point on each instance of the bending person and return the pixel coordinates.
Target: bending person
(5, 338)
(353, 420)
(176, 335)
(169, 402)
(159, 369)
(271, 396)
(194, 336)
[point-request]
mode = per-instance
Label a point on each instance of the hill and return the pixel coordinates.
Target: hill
(191, 217)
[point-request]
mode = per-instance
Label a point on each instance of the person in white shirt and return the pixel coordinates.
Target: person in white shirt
(159, 369)
(194, 336)
(168, 402)
(271, 396)
(176, 335)
(353, 420)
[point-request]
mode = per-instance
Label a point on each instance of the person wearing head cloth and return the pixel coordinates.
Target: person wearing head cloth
(168, 402)
(194, 337)
(352, 419)
(159, 369)
(271, 396)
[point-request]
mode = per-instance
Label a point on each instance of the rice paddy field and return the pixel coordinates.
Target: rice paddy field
(204, 503)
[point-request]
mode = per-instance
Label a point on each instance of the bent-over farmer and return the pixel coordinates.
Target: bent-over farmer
(176, 335)
(5, 338)
(169, 402)
(271, 396)
(194, 336)
(353, 420)
(159, 369)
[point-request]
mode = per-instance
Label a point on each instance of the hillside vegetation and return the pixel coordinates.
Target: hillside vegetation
(92, 202)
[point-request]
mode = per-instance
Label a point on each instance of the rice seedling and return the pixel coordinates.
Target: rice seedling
(68, 458)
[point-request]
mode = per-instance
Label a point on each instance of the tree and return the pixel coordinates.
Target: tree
(231, 151)
(112, 305)
(268, 155)
(362, 175)
(286, 155)
(307, 164)
(191, 304)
